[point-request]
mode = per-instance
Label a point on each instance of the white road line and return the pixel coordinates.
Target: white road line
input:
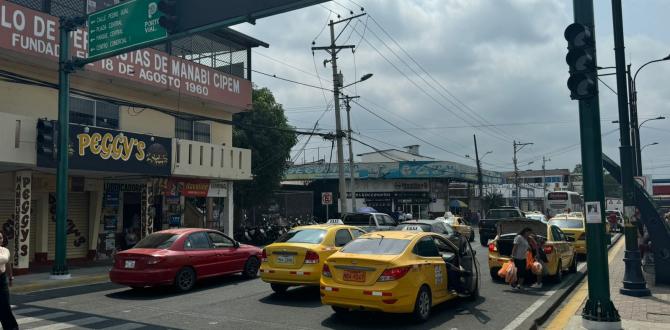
(50, 316)
(71, 324)
(21, 311)
(529, 311)
(125, 326)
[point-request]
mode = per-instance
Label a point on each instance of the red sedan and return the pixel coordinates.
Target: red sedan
(179, 257)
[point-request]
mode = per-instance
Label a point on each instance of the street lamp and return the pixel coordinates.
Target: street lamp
(657, 118)
(635, 131)
(648, 145)
(347, 98)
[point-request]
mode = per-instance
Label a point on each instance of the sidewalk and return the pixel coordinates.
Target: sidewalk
(80, 276)
(648, 313)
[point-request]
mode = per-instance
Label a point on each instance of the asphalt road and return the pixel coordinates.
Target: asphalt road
(234, 303)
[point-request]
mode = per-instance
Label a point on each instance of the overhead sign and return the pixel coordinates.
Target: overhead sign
(128, 24)
(326, 198)
(100, 149)
(28, 32)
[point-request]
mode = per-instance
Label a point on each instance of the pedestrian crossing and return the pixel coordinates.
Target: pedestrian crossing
(38, 318)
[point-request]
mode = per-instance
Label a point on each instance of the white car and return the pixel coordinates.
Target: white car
(537, 216)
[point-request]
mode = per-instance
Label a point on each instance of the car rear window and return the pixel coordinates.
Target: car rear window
(357, 219)
(376, 245)
(157, 241)
(567, 223)
(310, 236)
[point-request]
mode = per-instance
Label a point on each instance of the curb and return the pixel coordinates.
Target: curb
(537, 322)
(58, 284)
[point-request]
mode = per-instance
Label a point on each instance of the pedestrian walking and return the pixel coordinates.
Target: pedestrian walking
(6, 316)
(519, 252)
(536, 246)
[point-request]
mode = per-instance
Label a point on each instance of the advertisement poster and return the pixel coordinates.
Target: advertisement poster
(593, 212)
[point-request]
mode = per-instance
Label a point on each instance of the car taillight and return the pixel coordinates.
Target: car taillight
(154, 260)
(311, 257)
(326, 271)
(492, 247)
(264, 256)
(394, 274)
(548, 249)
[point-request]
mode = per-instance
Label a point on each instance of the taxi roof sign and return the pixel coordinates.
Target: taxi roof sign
(335, 222)
(413, 228)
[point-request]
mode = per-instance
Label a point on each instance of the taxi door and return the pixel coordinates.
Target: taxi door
(562, 246)
(432, 267)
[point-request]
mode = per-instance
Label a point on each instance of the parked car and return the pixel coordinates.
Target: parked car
(557, 246)
(537, 216)
(180, 257)
(488, 226)
(572, 227)
(435, 226)
(460, 225)
(398, 272)
(370, 221)
(296, 258)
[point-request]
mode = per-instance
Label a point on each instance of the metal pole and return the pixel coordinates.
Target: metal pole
(480, 180)
(598, 307)
(633, 280)
(338, 122)
(60, 269)
(516, 179)
(632, 110)
(636, 132)
(352, 187)
(544, 184)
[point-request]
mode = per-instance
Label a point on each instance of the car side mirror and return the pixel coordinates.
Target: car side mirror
(237, 244)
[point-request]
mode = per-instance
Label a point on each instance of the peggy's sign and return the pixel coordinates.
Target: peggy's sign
(99, 149)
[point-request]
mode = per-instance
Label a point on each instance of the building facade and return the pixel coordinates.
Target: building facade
(533, 187)
(150, 135)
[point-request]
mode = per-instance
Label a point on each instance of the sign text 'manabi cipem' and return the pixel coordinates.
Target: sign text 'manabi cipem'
(35, 33)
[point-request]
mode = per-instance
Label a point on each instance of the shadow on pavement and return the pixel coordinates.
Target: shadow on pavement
(62, 292)
(439, 318)
(168, 291)
(303, 296)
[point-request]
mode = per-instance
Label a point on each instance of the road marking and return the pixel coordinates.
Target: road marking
(44, 317)
(126, 326)
(22, 311)
(529, 311)
(570, 309)
(71, 324)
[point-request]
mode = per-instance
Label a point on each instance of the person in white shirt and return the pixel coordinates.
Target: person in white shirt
(6, 316)
(519, 250)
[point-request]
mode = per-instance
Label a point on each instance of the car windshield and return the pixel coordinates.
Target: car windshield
(310, 236)
(157, 241)
(414, 227)
(501, 214)
(376, 245)
(574, 223)
(357, 219)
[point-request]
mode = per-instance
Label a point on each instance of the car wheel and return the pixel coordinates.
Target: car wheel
(251, 268)
(573, 266)
(558, 277)
(423, 305)
(185, 279)
(279, 288)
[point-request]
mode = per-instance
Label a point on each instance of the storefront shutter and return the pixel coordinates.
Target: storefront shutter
(77, 237)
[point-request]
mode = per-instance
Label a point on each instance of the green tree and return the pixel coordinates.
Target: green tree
(493, 200)
(264, 130)
(611, 186)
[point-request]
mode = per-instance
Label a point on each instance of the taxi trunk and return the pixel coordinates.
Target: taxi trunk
(359, 270)
(288, 255)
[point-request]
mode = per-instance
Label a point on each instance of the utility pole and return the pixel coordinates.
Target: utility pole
(634, 129)
(544, 183)
(517, 147)
(480, 180)
(333, 50)
(633, 281)
(599, 311)
(352, 186)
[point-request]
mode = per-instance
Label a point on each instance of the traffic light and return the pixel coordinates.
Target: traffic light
(46, 138)
(581, 59)
(168, 19)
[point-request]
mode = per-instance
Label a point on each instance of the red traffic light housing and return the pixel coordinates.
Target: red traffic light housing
(46, 138)
(582, 61)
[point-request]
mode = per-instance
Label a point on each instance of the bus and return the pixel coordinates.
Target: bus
(563, 202)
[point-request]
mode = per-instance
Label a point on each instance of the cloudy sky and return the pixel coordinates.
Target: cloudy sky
(447, 69)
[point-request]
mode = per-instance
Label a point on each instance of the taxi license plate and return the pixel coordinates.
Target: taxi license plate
(284, 259)
(354, 276)
(130, 264)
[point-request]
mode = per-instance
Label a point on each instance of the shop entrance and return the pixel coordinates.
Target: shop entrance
(131, 210)
(418, 211)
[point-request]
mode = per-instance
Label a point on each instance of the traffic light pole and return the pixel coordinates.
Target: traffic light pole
(633, 280)
(599, 311)
(352, 184)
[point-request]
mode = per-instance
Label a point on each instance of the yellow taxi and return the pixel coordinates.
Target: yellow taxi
(574, 228)
(555, 244)
(398, 272)
(460, 225)
(297, 257)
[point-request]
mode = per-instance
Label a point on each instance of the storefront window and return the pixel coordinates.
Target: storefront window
(192, 130)
(94, 113)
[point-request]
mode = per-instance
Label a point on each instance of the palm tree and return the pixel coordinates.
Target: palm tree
(493, 200)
